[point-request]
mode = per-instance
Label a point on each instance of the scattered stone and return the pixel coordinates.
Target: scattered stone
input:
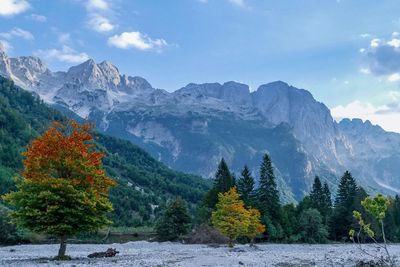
(12, 250)
(370, 263)
(241, 263)
(111, 252)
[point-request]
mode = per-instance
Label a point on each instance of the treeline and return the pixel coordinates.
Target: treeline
(317, 218)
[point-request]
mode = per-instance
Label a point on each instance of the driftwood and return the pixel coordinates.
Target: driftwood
(111, 252)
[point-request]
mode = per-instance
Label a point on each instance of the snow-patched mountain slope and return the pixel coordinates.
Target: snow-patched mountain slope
(192, 128)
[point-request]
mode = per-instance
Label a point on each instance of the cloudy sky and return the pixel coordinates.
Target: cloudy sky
(347, 53)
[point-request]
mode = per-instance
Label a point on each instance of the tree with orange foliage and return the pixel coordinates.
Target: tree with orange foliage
(64, 188)
(232, 219)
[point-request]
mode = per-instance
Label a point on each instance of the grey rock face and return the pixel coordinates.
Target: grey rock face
(193, 127)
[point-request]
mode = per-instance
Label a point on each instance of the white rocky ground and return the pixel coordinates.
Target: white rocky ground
(144, 253)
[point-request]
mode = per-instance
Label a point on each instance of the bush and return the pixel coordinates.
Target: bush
(205, 234)
(174, 222)
(8, 231)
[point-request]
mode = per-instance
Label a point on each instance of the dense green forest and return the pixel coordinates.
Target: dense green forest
(317, 218)
(144, 184)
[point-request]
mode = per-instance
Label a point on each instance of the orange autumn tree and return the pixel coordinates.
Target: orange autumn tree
(232, 219)
(64, 188)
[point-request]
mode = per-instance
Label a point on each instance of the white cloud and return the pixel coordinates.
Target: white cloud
(5, 46)
(394, 42)
(97, 5)
(66, 54)
(100, 23)
(394, 77)
(37, 17)
(365, 70)
(385, 116)
(17, 32)
(136, 40)
(365, 35)
(99, 12)
(395, 34)
(13, 7)
(375, 42)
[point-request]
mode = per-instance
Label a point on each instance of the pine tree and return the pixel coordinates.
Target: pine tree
(174, 222)
(317, 195)
(268, 195)
(346, 190)
(320, 197)
(342, 218)
(328, 199)
(392, 220)
(245, 186)
(64, 188)
(223, 182)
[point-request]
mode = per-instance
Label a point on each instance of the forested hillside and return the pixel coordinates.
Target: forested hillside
(143, 182)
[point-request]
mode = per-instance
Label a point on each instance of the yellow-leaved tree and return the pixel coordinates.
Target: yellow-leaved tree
(232, 219)
(255, 226)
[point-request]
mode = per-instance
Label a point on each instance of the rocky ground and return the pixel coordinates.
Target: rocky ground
(144, 253)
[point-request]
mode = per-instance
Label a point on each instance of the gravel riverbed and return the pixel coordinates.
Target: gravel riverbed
(143, 253)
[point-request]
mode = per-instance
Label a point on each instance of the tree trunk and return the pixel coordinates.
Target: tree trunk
(252, 242)
(230, 244)
(63, 246)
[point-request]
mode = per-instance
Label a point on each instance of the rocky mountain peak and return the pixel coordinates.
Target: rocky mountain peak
(231, 92)
(32, 64)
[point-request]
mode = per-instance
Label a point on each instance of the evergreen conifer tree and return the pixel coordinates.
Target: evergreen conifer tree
(320, 197)
(342, 218)
(223, 182)
(268, 195)
(246, 187)
(317, 195)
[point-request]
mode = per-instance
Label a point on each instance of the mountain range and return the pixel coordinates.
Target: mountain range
(144, 185)
(192, 128)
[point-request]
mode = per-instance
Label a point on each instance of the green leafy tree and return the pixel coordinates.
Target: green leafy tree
(64, 189)
(377, 208)
(289, 222)
(174, 222)
(311, 226)
(245, 186)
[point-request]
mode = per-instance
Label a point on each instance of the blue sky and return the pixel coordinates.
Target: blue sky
(347, 53)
